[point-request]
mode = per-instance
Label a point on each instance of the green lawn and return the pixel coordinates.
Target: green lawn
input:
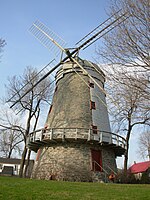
(16, 188)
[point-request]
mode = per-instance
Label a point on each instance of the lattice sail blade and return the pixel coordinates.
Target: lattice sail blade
(47, 38)
(102, 29)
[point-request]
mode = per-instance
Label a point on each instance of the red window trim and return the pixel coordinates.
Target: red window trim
(92, 105)
(91, 84)
(94, 129)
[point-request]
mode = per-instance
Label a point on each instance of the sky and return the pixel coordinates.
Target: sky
(71, 20)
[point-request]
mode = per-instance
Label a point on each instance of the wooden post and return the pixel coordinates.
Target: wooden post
(51, 134)
(89, 135)
(101, 137)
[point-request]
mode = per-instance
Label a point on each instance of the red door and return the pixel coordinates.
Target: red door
(96, 160)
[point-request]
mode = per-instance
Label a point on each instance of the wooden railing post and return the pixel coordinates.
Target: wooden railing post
(34, 136)
(63, 135)
(117, 140)
(76, 137)
(41, 138)
(89, 135)
(101, 137)
(51, 134)
(110, 139)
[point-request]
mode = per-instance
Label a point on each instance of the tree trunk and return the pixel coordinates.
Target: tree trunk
(22, 162)
(126, 162)
(10, 152)
(25, 149)
(127, 152)
(27, 164)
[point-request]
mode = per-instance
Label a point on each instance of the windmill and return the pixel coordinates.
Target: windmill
(76, 143)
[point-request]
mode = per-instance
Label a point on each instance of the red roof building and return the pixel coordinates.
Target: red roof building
(139, 167)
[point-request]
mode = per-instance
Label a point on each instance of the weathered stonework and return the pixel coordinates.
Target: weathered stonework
(71, 162)
(70, 106)
(67, 157)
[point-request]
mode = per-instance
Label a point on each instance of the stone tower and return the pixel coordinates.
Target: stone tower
(76, 143)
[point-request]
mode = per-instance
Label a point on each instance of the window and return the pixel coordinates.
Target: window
(91, 85)
(94, 129)
(92, 105)
(96, 160)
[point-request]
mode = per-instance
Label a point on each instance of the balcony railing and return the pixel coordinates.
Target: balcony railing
(43, 137)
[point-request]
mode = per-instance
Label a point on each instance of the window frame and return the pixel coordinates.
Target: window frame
(94, 129)
(96, 159)
(91, 85)
(92, 105)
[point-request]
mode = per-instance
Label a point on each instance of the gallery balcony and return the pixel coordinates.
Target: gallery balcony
(46, 137)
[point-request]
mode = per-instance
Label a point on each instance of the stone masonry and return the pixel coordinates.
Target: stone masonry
(71, 160)
(70, 106)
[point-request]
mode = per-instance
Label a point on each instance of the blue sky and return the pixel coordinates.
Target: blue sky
(69, 19)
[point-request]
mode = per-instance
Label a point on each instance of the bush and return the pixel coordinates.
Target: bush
(122, 178)
(145, 178)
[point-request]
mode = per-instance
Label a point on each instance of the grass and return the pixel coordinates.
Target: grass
(26, 189)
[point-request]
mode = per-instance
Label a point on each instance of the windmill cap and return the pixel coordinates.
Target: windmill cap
(91, 68)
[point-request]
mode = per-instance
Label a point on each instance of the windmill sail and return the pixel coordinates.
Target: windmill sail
(77, 122)
(102, 29)
(48, 38)
(42, 33)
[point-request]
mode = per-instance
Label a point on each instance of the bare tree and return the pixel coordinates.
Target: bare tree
(127, 47)
(2, 44)
(10, 142)
(144, 145)
(128, 44)
(11, 133)
(30, 106)
(126, 54)
(129, 108)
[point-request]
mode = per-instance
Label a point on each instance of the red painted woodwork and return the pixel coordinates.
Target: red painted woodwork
(91, 85)
(94, 129)
(96, 160)
(92, 105)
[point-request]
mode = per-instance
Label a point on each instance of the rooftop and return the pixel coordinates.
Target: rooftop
(139, 167)
(11, 160)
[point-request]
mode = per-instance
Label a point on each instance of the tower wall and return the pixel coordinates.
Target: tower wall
(71, 103)
(70, 106)
(72, 160)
